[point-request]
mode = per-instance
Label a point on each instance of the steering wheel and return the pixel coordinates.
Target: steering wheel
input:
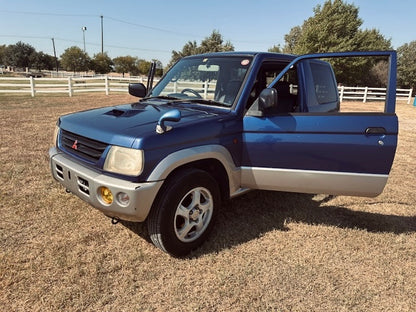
(192, 91)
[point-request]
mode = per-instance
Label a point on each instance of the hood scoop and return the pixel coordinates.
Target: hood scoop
(172, 115)
(123, 113)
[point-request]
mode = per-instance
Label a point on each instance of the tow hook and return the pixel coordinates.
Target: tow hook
(115, 220)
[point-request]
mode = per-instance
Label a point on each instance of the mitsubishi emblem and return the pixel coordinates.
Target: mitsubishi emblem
(75, 146)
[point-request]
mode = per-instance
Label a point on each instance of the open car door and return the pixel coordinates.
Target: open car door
(316, 148)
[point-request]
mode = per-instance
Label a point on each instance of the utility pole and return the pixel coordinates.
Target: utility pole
(54, 53)
(102, 36)
(83, 35)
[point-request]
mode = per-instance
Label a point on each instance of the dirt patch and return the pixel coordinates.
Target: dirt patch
(270, 251)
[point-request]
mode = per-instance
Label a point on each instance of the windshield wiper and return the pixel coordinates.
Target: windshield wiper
(173, 100)
(209, 102)
(161, 97)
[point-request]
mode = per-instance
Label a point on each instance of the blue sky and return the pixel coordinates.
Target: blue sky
(153, 28)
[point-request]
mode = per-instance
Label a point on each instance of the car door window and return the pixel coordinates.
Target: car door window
(287, 87)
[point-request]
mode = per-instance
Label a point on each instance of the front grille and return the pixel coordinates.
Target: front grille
(83, 147)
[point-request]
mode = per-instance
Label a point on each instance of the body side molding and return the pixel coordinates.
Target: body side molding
(313, 181)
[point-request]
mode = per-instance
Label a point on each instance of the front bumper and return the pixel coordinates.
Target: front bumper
(86, 184)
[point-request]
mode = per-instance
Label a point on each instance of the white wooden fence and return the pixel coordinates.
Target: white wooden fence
(109, 84)
(366, 94)
(68, 85)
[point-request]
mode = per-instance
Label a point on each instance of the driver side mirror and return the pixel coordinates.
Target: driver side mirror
(137, 89)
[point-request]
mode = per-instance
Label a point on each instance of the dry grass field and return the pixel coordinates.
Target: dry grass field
(269, 251)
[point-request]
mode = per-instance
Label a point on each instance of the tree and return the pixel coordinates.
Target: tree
(190, 48)
(102, 63)
(275, 48)
(2, 53)
(74, 59)
(379, 74)
(40, 60)
(126, 64)
(406, 65)
(334, 27)
(213, 43)
(291, 39)
(19, 55)
(143, 66)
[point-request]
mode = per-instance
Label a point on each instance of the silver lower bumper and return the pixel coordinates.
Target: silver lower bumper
(86, 184)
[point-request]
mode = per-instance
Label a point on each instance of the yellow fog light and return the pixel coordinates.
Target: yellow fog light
(106, 195)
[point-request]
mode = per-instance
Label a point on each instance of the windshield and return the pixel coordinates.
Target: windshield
(207, 80)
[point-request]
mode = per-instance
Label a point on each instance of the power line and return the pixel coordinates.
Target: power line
(150, 27)
(107, 17)
(47, 13)
(168, 31)
(138, 49)
(26, 37)
(89, 43)
(39, 37)
(118, 20)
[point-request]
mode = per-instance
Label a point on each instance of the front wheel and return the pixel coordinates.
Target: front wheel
(184, 212)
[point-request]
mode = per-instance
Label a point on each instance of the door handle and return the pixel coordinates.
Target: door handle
(375, 130)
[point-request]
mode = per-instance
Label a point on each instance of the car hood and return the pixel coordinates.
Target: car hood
(124, 124)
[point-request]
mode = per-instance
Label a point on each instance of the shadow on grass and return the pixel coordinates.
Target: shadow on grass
(248, 217)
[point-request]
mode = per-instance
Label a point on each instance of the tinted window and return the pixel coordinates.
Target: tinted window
(324, 84)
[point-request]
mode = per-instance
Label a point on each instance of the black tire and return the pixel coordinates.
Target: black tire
(184, 212)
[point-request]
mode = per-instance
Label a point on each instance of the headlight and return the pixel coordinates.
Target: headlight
(55, 136)
(124, 160)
